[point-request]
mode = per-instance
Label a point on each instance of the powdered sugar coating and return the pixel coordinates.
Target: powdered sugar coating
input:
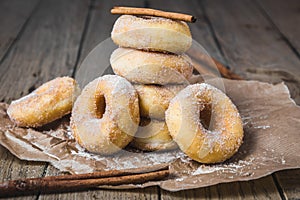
(105, 116)
(152, 33)
(154, 99)
(201, 105)
(151, 67)
(49, 102)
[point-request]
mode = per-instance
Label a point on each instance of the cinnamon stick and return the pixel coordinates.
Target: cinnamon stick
(102, 174)
(152, 12)
(225, 71)
(205, 62)
(77, 182)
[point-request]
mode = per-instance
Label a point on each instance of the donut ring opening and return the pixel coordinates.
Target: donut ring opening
(100, 104)
(205, 116)
(205, 123)
(105, 116)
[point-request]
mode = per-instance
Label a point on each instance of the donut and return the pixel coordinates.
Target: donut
(153, 135)
(49, 102)
(105, 117)
(152, 33)
(151, 67)
(204, 123)
(154, 99)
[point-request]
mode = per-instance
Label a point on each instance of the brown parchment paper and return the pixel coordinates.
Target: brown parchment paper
(272, 133)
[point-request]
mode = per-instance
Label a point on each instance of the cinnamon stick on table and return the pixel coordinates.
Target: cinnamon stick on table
(152, 12)
(79, 182)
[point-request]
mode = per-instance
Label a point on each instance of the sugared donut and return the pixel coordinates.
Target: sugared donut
(49, 102)
(205, 123)
(151, 67)
(105, 117)
(153, 135)
(152, 33)
(154, 99)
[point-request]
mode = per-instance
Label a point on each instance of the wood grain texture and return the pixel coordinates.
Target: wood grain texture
(60, 33)
(12, 20)
(101, 23)
(258, 189)
(47, 48)
(252, 45)
(286, 16)
(289, 181)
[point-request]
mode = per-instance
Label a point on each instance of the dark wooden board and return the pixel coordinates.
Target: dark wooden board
(289, 180)
(54, 37)
(13, 21)
(46, 49)
(286, 17)
(252, 45)
(257, 189)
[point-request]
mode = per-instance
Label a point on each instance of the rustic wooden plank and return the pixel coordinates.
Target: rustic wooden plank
(252, 45)
(286, 16)
(12, 21)
(204, 35)
(47, 48)
(98, 29)
(101, 23)
(13, 168)
(289, 180)
(238, 190)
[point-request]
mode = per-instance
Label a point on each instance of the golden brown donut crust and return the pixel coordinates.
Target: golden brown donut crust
(151, 67)
(152, 33)
(154, 99)
(49, 102)
(105, 116)
(153, 135)
(205, 124)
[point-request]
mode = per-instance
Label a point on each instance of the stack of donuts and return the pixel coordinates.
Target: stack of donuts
(148, 103)
(151, 56)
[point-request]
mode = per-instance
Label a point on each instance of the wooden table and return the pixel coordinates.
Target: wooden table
(40, 40)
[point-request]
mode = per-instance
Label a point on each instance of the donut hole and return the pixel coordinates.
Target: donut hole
(205, 116)
(100, 106)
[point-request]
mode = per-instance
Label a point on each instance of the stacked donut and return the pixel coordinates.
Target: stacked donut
(148, 102)
(151, 56)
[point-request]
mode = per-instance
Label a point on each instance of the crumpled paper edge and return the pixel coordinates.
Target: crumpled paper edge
(164, 184)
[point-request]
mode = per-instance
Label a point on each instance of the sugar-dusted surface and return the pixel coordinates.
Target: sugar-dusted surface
(264, 150)
(198, 105)
(151, 67)
(105, 116)
(152, 33)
